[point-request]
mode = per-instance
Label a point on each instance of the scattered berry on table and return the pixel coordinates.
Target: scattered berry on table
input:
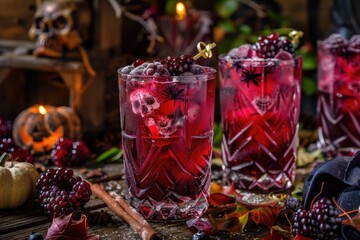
(67, 152)
(292, 203)
(61, 192)
(321, 222)
(35, 236)
(200, 235)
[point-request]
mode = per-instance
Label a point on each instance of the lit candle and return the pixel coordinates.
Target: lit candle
(42, 110)
(180, 11)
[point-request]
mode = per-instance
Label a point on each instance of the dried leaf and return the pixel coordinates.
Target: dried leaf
(265, 215)
(66, 228)
(218, 199)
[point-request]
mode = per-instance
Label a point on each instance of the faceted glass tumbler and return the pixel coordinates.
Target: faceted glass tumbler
(260, 106)
(338, 101)
(167, 136)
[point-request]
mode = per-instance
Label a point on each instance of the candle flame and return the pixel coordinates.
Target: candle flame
(180, 11)
(42, 110)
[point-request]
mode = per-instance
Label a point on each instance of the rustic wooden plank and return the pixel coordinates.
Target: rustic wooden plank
(42, 64)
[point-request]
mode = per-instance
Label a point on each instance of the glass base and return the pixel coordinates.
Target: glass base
(170, 210)
(266, 183)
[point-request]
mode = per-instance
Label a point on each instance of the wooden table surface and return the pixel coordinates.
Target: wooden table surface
(19, 223)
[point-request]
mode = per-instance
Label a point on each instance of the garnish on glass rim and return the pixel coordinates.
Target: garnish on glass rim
(295, 36)
(206, 52)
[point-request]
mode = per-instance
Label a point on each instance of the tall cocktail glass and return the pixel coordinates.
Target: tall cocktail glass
(339, 95)
(167, 132)
(260, 106)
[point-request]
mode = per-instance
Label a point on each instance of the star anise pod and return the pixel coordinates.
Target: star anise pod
(102, 218)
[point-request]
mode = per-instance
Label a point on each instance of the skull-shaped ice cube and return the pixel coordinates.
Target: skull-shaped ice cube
(161, 125)
(143, 102)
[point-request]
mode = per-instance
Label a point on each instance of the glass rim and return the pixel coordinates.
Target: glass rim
(260, 60)
(164, 79)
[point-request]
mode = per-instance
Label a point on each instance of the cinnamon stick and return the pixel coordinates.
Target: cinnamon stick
(129, 215)
(129, 209)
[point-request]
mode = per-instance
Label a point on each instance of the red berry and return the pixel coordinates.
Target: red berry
(21, 155)
(61, 192)
(177, 65)
(66, 152)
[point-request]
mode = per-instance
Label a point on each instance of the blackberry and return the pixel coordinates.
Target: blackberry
(200, 235)
(302, 224)
(35, 236)
(177, 65)
(292, 203)
(61, 192)
(269, 46)
(155, 69)
(336, 44)
(286, 45)
(327, 221)
(67, 152)
(321, 222)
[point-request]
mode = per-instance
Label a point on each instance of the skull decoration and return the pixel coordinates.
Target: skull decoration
(59, 25)
(143, 102)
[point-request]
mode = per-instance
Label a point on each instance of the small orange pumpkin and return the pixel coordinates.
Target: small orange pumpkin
(39, 127)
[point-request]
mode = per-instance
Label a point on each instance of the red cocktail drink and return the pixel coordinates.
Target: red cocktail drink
(167, 131)
(260, 105)
(339, 94)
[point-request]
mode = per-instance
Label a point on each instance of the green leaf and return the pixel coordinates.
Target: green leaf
(309, 61)
(308, 86)
(170, 7)
(110, 155)
(225, 8)
(217, 135)
(227, 26)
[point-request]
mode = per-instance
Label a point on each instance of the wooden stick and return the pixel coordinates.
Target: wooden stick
(143, 229)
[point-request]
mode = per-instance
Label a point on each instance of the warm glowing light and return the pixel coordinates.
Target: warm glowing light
(180, 11)
(42, 110)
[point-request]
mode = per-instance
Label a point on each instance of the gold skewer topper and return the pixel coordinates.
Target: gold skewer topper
(204, 52)
(295, 35)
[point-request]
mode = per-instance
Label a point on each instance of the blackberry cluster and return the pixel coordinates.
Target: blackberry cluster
(61, 192)
(321, 222)
(177, 65)
(67, 152)
(18, 154)
(337, 44)
(269, 46)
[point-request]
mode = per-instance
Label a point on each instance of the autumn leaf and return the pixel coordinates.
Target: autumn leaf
(232, 224)
(265, 215)
(218, 199)
(354, 221)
